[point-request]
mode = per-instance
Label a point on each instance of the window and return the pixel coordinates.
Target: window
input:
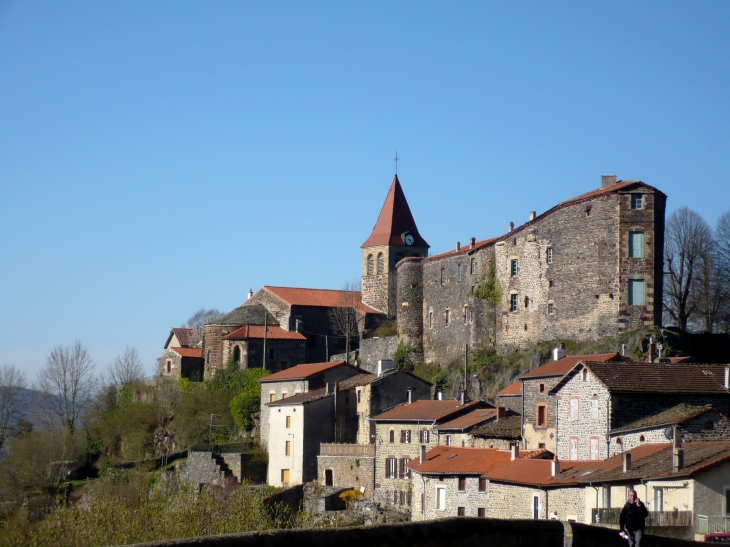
(481, 512)
(392, 436)
(636, 244)
(513, 268)
(287, 448)
(447, 316)
(551, 308)
(549, 255)
(636, 201)
(405, 436)
(381, 263)
(462, 484)
(584, 375)
(448, 440)
(466, 314)
(169, 366)
(430, 320)
(328, 479)
(370, 265)
(285, 476)
(405, 470)
(473, 266)
(482, 484)
(443, 276)
(573, 448)
(424, 436)
(642, 439)
(709, 425)
(207, 358)
(594, 448)
(541, 415)
(636, 292)
(536, 507)
(441, 498)
(513, 302)
(458, 272)
(541, 446)
(574, 408)
(272, 397)
(541, 387)
(358, 396)
(527, 302)
(461, 511)
(284, 395)
(288, 422)
(594, 409)
(390, 468)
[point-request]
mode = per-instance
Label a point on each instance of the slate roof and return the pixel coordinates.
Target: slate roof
(678, 414)
(252, 314)
(302, 372)
(505, 428)
(394, 219)
(515, 388)
(248, 332)
(654, 377)
(183, 336)
(301, 398)
(188, 352)
(322, 298)
(562, 366)
(427, 410)
(470, 419)
(357, 381)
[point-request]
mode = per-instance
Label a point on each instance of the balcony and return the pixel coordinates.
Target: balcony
(656, 518)
(712, 525)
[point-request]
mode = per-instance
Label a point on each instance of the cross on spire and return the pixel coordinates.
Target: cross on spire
(396, 161)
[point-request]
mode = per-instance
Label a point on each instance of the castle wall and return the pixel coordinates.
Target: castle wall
(409, 301)
(373, 350)
(379, 289)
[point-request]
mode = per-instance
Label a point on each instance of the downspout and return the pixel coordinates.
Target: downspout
(522, 421)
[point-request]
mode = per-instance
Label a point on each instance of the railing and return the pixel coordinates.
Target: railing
(655, 518)
(712, 525)
(334, 449)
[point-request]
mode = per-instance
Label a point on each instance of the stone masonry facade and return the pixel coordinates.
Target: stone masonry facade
(535, 392)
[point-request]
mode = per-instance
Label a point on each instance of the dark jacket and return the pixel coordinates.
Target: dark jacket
(633, 516)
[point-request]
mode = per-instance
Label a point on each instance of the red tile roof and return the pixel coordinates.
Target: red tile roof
(302, 372)
(395, 219)
(427, 410)
(324, 298)
(451, 459)
(247, 332)
(466, 249)
(470, 419)
(189, 352)
(515, 388)
(655, 377)
(562, 366)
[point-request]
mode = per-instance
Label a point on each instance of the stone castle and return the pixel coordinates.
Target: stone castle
(588, 268)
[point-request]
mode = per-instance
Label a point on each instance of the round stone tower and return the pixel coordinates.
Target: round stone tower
(409, 300)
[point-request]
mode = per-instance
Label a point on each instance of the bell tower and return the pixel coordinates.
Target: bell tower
(394, 237)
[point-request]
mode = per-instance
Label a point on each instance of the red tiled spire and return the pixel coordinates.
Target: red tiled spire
(394, 220)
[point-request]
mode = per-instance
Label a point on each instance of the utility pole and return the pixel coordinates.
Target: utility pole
(466, 368)
(265, 329)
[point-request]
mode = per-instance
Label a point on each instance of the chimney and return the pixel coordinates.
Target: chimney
(623, 350)
(250, 293)
(532, 215)
(327, 388)
(462, 398)
(501, 411)
(422, 457)
(472, 242)
(627, 462)
(410, 395)
(458, 245)
(439, 394)
(652, 347)
(515, 451)
(558, 354)
(727, 377)
(608, 180)
(511, 226)
(296, 325)
(555, 467)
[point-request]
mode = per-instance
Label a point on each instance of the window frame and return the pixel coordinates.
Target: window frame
(380, 268)
(632, 292)
(370, 265)
(636, 249)
(447, 317)
(461, 483)
(637, 202)
(573, 439)
(574, 399)
(440, 498)
(443, 276)
(514, 302)
(473, 266)
(287, 448)
(597, 442)
(458, 272)
(424, 434)
(482, 484)
(538, 408)
(551, 308)
(595, 409)
(287, 422)
(514, 267)
(549, 255)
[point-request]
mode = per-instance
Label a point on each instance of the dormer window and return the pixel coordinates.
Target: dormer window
(637, 201)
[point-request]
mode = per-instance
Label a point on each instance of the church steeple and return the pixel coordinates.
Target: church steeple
(394, 237)
(395, 220)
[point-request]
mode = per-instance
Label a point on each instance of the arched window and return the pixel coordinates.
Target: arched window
(392, 436)
(370, 265)
(236, 354)
(642, 439)
(381, 263)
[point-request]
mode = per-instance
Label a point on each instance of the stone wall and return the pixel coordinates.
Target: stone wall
(409, 301)
(174, 359)
(533, 434)
(374, 349)
(425, 492)
(280, 354)
(348, 471)
(203, 468)
(512, 402)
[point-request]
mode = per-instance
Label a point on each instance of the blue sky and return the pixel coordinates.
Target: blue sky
(161, 157)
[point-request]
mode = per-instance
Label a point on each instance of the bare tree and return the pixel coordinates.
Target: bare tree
(126, 368)
(688, 241)
(197, 323)
(722, 254)
(713, 291)
(12, 399)
(345, 319)
(68, 383)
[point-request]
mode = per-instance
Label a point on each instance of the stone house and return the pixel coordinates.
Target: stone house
(181, 338)
(594, 399)
(399, 434)
(501, 434)
(296, 380)
(539, 408)
(511, 397)
(181, 362)
(271, 347)
(215, 349)
(615, 233)
(459, 431)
